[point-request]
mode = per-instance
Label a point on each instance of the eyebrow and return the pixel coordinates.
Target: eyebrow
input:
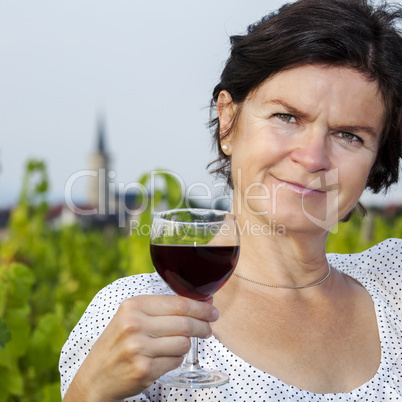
(289, 108)
(347, 128)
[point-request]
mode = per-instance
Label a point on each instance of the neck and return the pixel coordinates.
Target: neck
(287, 259)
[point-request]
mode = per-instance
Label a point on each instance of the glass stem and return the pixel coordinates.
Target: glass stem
(192, 355)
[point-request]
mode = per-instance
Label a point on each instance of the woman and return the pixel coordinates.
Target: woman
(308, 116)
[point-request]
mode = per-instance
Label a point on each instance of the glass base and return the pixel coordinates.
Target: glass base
(193, 376)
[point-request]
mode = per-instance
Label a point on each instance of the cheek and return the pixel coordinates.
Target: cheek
(352, 185)
(257, 152)
(354, 169)
(248, 168)
(352, 178)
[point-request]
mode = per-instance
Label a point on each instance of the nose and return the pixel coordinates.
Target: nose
(311, 151)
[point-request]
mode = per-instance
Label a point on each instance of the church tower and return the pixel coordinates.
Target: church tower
(99, 166)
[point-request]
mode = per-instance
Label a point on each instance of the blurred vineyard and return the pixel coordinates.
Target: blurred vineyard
(49, 275)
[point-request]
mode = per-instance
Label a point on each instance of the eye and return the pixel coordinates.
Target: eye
(288, 118)
(349, 138)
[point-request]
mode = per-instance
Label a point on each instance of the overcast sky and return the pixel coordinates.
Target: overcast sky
(148, 66)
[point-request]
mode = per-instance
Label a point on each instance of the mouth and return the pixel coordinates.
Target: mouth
(311, 189)
(302, 189)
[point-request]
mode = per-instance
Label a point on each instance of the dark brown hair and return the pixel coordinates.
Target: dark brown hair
(345, 33)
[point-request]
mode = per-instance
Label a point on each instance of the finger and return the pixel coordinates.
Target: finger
(177, 325)
(170, 346)
(143, 373)
(161, 365)
(173, 305)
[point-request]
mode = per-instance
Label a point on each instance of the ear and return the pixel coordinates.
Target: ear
(226, 111)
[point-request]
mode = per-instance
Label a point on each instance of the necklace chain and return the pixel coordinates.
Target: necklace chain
(284, 286)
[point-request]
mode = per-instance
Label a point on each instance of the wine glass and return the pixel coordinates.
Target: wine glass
(194, 251)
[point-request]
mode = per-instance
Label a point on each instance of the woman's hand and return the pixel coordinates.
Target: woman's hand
(146, 338)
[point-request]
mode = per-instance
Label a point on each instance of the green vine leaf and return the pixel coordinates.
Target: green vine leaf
(5, 334)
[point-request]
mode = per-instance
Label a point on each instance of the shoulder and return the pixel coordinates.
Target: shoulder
(137, 285)
(384, 255)
(378, 268)
(130, 286)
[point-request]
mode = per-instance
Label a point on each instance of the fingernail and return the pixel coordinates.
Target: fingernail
(215, 314)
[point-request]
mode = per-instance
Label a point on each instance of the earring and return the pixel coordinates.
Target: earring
(225, 148)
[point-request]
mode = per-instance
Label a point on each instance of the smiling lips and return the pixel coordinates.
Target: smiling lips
(302, 189)
(314, 187)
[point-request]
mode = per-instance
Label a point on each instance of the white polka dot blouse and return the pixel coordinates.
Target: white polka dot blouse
(378, 269)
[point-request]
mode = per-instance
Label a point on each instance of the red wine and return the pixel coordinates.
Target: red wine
(196, 272)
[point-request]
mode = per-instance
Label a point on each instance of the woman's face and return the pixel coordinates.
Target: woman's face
(304, 145)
